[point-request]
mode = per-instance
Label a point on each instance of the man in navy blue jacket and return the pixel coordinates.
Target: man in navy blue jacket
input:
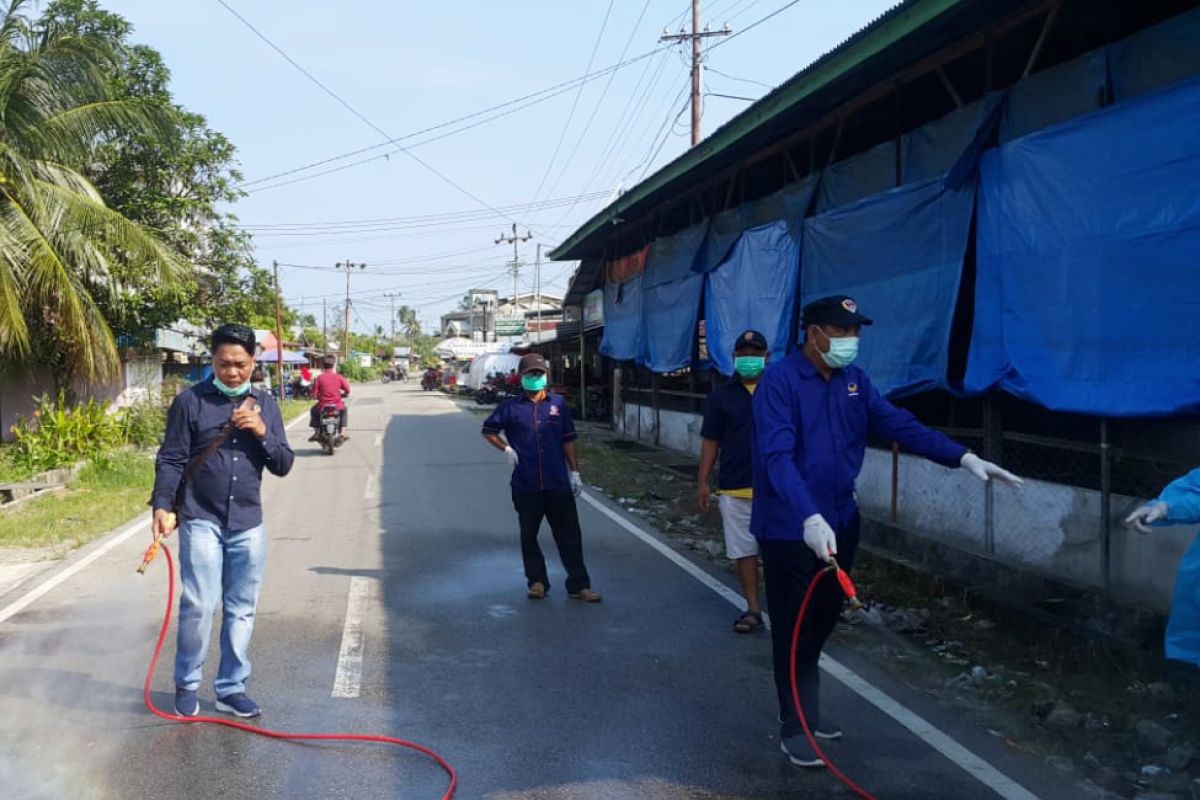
(222, 541)
(537, 434)
(813, 412)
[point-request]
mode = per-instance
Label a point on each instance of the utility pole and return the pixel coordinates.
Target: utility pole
(324, 325)
(349, 266)
(695, 36)
(278, 333)
(537, 283)
(392, 296)
(515, 240)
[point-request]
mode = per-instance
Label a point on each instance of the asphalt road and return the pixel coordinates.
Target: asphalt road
(410, 529)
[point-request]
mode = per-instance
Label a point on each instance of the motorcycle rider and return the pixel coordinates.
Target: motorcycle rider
(328, 390)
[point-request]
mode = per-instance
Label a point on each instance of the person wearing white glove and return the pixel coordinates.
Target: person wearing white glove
(813, 412)
(987, 471)
(1178, 504)
(537, 435)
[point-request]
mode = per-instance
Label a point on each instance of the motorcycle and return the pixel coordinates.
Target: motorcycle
(393, 374)
(486, 395)
(431, 380)
(329, 435)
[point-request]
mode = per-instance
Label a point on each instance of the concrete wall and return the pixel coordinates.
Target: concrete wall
(1047, 528)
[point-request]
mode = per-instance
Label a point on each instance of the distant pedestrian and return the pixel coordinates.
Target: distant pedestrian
(220, 435)
(728, 432)
(1179, 504)
(813, 412)
(536, 432)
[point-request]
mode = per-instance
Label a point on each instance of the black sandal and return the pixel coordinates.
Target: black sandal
(749, 622)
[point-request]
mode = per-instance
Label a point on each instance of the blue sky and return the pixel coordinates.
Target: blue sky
(406, 66)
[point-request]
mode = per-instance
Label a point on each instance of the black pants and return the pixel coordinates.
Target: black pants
(558, 507)
(314, 418)
(788, 568)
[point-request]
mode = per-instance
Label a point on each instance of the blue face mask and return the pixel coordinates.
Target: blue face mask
(842, 351)
(230, 391)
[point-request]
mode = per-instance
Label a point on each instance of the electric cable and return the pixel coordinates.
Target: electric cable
(748, 28)
(267, 732)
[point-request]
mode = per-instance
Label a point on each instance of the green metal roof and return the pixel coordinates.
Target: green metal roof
(897, 38)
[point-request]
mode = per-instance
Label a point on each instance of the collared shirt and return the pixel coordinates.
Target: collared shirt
(729, 420)
(537, 432)
(811, 438)
(227, 490)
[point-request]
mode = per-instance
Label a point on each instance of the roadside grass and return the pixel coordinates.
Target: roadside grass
(107, 493)
(290, 409)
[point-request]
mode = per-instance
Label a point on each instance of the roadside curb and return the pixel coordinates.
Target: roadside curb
(12, 602)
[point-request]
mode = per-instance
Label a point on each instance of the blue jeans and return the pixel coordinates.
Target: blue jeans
(217, 566)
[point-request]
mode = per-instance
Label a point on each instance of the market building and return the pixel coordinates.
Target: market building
(1008, 189)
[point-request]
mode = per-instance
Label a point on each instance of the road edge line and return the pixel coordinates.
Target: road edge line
(103, 545)
(974, 765)
(113, 540)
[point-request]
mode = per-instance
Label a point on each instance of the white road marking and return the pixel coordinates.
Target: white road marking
(378, 439)
(296, 421)
(347, 682)
(23, 602)
(371, 490)
(924, 730)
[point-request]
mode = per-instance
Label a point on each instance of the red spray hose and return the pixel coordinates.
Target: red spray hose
(847, 587)
(321, 737)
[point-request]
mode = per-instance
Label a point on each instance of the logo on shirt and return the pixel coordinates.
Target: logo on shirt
(554, 411)
(852, 390)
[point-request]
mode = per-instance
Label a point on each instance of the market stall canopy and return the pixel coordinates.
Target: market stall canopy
(289, 357)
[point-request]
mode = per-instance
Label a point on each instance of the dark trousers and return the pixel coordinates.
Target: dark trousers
(788, 568)
(558, 507)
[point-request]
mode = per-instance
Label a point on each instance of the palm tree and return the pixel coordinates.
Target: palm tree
(410, 323)
(62, 250)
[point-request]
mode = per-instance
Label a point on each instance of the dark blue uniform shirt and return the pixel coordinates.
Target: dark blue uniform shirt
(537, 431)
(729, 419)
(228, 488)
(811, 437)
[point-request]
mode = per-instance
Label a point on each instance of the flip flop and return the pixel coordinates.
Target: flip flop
(749, 622)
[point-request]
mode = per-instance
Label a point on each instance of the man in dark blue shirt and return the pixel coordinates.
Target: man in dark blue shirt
(237, 431)
(813, 412)
(728, 431)
(540, 447)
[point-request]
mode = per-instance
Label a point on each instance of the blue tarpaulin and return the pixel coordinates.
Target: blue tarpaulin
(933, 149)
(1055, 95)
(623, 331)
(789, 204)
(671, 305)
(1088, 287)
(860, 176)
(900, 255)
(755, 287)
(1156, 57)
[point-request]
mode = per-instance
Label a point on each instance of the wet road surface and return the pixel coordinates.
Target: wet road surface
(410, 529)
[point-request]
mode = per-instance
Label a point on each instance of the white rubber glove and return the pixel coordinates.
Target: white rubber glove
(986, 471)
(513, 460)
(1148, 514)
(576, 484)
(819, 537)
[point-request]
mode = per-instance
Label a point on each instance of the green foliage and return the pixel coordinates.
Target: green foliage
(144, 423)
(59, 434)
(356, 372)
(65, 255)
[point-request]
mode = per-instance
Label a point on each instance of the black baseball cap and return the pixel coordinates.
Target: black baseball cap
(532, 362)
(838, 310)
(751, 339)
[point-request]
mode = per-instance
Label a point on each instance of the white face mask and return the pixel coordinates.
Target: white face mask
(842, 351)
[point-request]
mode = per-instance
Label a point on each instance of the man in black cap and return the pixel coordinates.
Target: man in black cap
(728, 431)
(221, 434)
(813, 412)
(540, 447)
